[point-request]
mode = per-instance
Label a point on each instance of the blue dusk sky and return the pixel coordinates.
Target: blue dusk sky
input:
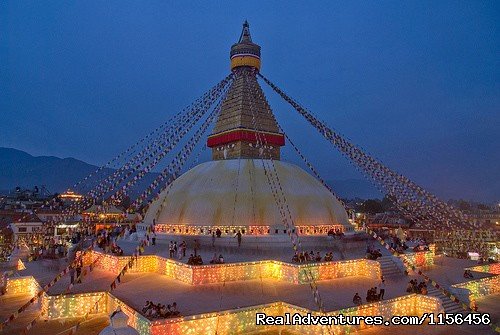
(415, 83)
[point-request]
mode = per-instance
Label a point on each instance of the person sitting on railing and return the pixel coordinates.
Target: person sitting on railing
(318, 257)
(221, 259)
(295, 257)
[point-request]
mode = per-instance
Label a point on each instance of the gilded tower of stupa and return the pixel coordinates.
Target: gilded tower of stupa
(246, 117)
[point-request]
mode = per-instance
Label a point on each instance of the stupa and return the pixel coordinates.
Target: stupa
(232, 192)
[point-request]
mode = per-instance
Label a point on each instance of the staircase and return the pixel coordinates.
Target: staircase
(448, 305)
(388, 267)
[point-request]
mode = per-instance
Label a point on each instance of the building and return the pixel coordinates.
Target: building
(70, 197)
(233, 192)
(29, 227)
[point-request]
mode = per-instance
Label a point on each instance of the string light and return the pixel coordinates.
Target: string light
(243, 319)
(22, 285)
(239, 320)
(420, 259)
(218, 273)
(493, 268)
(74, 305)
(480, 287)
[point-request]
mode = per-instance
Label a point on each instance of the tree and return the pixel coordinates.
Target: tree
(372, 206)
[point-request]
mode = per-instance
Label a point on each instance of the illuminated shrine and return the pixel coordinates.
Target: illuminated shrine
(282, 213)
(232, 193)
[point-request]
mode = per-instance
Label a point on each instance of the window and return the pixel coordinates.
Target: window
(22, 229)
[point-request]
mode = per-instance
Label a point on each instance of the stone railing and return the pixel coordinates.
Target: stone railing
(22, 285)
(420, 259)
(241, 320)
(480, 287)
(218, 273)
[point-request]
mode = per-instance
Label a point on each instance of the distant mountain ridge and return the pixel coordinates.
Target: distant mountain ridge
(18, 168)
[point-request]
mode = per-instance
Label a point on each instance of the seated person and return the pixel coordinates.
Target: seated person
(147, 306)
(369, 296)
(329, 257)
(214, 259)
(157, 309)
(302, 258)
(165, 311)
(221, 259)
(318, 257)
(357, 299)
(174, 309)
(375, 295)
(152, 312)
(423, 290)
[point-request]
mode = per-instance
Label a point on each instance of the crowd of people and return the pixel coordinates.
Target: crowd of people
(116, 249)
(372, 253)
(336, 233)
(373, 294)
(104, 240)
(304, 257)
(195, 260)
(6, 252)
(415, 287)
(178, 251)
(152, 310)
(419, 244)
(75, 272)
(217, 259)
